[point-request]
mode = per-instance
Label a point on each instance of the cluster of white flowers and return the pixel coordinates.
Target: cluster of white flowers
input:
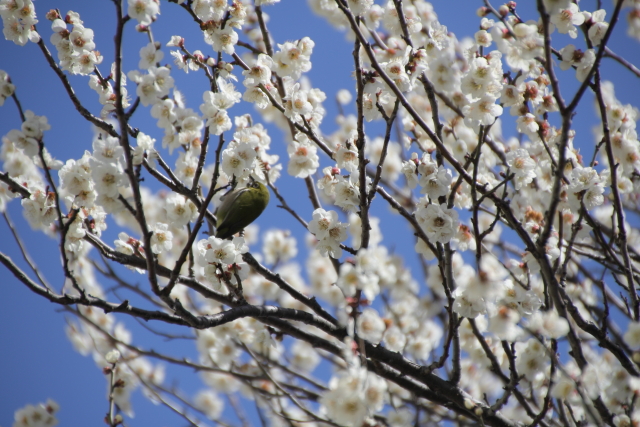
(434, 180)
(18, 21)
(21, 155)
(353, 396)
(30, 135)
(302, 104)
(362, 276)
(40, 208)
(247, 154)
(438, 222)
(218, 346)
(221, 39)
(219, 28)
(477, 90)
(154, 85)
(278, 246)
(343, 190)
(107, 172)
(181, 125)
(42, 415)
(259, 74)
(293, 58)
(222, 260)
(106, 94)
(214, 108)
(329, 231)
(303, 157)
(586, 187)
(76, 49)
(522, 165)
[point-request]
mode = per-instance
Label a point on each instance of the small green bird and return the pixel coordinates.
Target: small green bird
(240, 207)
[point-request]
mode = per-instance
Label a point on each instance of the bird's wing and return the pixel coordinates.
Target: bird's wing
(235, 214)
(227, 201)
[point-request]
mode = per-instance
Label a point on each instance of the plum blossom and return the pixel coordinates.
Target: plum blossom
(532, 359)
(144, 149)
(597, 25)
(162, 238)
(329, 231)
(40, 208)
(279, 246)
(259, 72)
(435, 181)
(220, 251)
(347, 156)
(180, 210)
(522, 165)
(296, 103)
(582, 61)
(549, 324)
(346, 400)
(221, 39)
(18, 29)
(353, 278)
(303, 157)
(396, 71)
(209, 403)
(587, 187)
(143, 11)
(238, 158)
(370, 325)
(483, 111)
(42, 415)
(394, 339)
(632, 335)
(108, 178)
(293, 58)
(567, 19)
(304, 356)
(438, 222)
(150, 55)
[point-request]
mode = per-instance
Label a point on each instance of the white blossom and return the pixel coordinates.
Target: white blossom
(522, 165)
(144, 11)
(567, 19)
(180, 210)
(162, 238)
(150, 55)
(279, 246)
(438, 222)
(42, 415)
(303, 157)
(329, 231)
(632, 335)
(222, 39)
(370, 325)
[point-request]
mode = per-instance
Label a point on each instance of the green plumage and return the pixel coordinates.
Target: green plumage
(241, 207)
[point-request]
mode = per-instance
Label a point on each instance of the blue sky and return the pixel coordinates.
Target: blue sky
(36, 359)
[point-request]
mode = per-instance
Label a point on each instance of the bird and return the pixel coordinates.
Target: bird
(240, 207)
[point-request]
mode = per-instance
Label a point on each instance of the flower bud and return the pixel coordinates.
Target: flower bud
(482, 11)
(113, 356)
(53, 15)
